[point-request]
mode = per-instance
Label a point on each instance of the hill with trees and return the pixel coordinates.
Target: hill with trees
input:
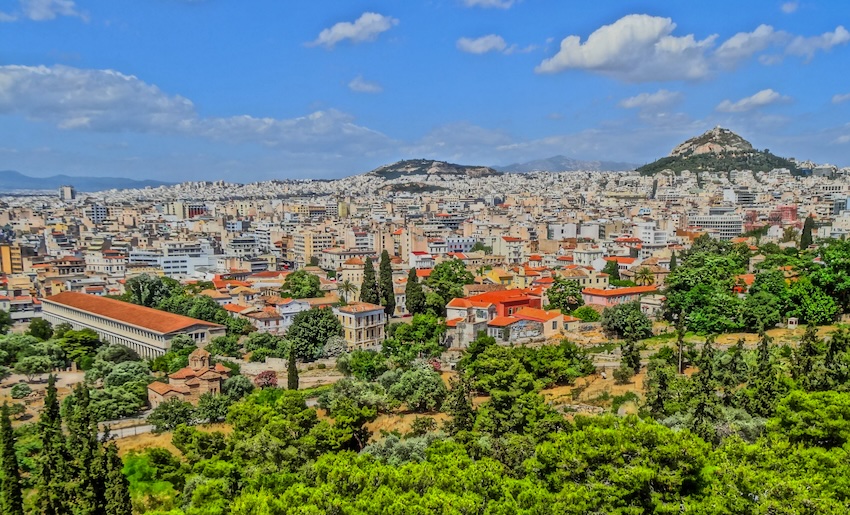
(717, 150)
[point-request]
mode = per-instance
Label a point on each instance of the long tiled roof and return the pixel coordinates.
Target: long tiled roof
(139, 316)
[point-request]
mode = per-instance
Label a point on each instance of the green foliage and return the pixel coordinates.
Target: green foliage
(310, 330)
(565, 294)
(226, 346)
(40, 328)
(212, 408)
(385, 284)
(237, 387)
(420, 338)
(446, 281)
(6, 321)
(612, 268)
(291, 372)
(626, 321)
(32, 366)
(586, 314)
(810, 304)
(78, 345)
(301, 285)
(170, 414)
(149, 291)
(19, 391)
(369, 288)
(819, 419)
(806, 239)
(421, 389)
(481, 247)
(365, 365)
(11, 495)
(414, 296)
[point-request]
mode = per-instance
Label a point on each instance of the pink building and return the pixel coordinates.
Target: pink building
(615, 296)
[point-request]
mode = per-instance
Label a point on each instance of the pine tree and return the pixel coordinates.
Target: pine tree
(10, 488)
(89, 477)
(414, 296)
(51, 491)
(291, 372)
(630, 355)
(806, 236)
(369, 288)
(386, 284)
(673, 261)
(116, 491)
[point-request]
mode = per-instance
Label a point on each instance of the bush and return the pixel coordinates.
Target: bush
(19, 391)
(623, 375)
(586, 314)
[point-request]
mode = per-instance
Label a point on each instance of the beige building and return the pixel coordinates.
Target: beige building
(362, 324)
(147, 331)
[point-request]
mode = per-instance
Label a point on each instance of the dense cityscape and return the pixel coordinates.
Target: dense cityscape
(210, 306)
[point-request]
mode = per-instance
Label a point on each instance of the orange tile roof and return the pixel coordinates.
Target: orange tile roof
(467, 303)
(183, 373)
(620, 259)
(360, 307)
(539, 315)
(423, 272)
(617, 292)
(139, 316)
(502, 321)
(162, 388)
(501, 296)
(453, 322)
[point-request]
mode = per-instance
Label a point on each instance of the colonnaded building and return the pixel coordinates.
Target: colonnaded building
(147, 331)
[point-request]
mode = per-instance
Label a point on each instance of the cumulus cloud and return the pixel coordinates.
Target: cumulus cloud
(361, 85)
(499, 4)
(660, 98)
(789, 7)
(807, 46)
(42, 10)
(744, 45)
(635, 48)
(482, 45)
(643, 48)
(840, 98)
(110, 101)
(365, 28)
(763, 98)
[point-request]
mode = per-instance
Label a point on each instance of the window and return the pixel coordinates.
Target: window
(554, 324)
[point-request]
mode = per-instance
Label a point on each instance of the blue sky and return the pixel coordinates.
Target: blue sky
(267, 89)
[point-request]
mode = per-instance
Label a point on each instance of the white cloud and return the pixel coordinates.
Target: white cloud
(43, 10)
(837, 99)
(744, 45)
(763, 98)
(360, 85)
(635, 48)
(110, 101)
(660, 98)
(807, 46)
(366, 28)
(482, 45)
(499, 4)
(789, 7)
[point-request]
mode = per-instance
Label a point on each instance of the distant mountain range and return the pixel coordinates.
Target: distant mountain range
(718, 150)
(566, 164)
(11, 181)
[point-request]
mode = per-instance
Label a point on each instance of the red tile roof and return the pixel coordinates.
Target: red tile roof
(162, 388)
(139, 316)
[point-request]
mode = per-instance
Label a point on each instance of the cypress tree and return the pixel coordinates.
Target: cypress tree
(51, 489)
(612, 268)
(673, 261)
(369, 289)
(89, 476)
(806, 236)
(12, 498)
(414, 296)
(291, 372)
(763, 396)
(385, 279)
(116, 491)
